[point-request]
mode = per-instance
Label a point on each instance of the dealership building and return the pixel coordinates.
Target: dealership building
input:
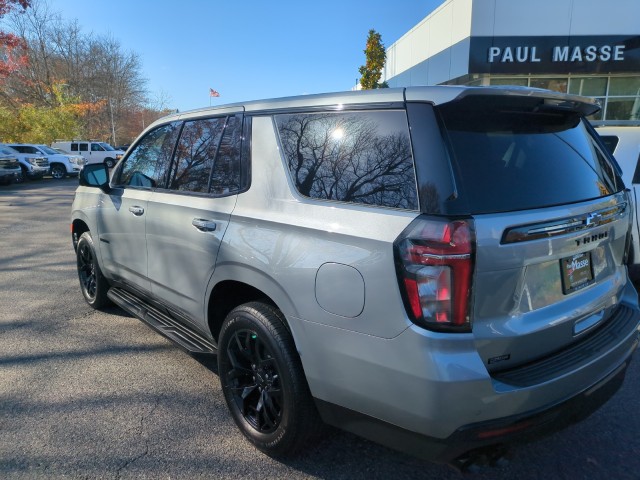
(585, 47)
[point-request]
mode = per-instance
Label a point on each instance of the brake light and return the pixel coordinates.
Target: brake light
(434, 262)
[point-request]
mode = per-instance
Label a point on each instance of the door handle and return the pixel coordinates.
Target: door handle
(204, 225)
(137, 211)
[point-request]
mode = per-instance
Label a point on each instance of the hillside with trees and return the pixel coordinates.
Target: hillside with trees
(57, 81)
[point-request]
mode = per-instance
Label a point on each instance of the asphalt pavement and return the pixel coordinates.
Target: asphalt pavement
(88, 394)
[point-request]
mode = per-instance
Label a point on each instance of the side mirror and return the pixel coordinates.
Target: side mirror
(95, 175)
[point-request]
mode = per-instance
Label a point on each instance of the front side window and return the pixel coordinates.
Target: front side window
(357, 157)
(95, 147)
(148, 163)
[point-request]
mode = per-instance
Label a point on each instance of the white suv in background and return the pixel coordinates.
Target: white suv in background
(623, 141)
(32, 166)
(61, 165)
(91, 151)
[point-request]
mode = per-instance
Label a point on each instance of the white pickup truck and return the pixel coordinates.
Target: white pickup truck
(60, 164)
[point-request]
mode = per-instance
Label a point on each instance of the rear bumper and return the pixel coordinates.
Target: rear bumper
(508, 430)
(430, 395)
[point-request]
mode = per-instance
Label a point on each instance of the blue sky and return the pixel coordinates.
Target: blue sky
(246, 49)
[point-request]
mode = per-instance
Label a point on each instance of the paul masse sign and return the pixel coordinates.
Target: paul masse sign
(554, 54)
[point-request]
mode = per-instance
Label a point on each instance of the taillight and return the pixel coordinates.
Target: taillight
(434, 262)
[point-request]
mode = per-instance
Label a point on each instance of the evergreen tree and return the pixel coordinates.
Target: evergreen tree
(376, 55)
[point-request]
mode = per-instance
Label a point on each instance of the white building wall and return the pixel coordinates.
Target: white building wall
(426, 48)
(437, 48)
(554, 17)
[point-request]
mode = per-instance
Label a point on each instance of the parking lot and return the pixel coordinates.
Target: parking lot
(87, 394)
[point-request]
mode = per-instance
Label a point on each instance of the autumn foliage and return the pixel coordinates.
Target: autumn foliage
(57, 81)
(11, 46)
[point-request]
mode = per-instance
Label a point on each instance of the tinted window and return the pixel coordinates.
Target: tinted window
(359, 157)
(74, 147)
(208, 156)
(83, 147)
(610, 141)
(95, 147)
(148, 163)
(226, 169)
(512, 157)
(196, 153)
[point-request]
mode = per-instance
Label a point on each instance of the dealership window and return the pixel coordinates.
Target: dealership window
(588, 86)
(558, 84)
(618, 96)
(623, 108)
(517, 81)
(624, 86)
(623, 102)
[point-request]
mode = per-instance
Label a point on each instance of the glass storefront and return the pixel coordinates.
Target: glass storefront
(618, 95)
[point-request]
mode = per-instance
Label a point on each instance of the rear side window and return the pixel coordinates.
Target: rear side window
(84, 147)
(207, 158)
(357, 157)
(508, 156)
(195, 154)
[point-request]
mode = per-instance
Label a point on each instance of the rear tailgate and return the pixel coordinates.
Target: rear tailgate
(551, 220)
(546, 278)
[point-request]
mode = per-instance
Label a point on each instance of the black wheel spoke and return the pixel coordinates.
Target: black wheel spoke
(253, 380)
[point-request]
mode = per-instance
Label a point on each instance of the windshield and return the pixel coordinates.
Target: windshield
(7, 150)
(107, 147)
(47, 150)
(510, 158)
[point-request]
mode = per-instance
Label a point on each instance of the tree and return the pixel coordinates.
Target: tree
(88, 79)
(11, 45)
(376, 55)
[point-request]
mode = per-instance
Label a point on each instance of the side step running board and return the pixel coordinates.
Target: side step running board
(185, 337)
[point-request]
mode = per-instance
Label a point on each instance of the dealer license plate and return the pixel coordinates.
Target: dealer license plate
(577, 272)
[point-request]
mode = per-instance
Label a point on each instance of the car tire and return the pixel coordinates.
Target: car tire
(58, 171)
(93, 284)
(263, 381)
(24, 176)
(109, 162)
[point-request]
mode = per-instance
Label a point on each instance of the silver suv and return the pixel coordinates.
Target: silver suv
(438, 269)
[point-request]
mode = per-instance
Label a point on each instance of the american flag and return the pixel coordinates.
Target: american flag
(213, 93)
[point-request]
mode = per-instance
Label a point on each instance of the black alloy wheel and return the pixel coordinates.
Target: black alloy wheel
(263, 380)
(255, 381)
(92, 283)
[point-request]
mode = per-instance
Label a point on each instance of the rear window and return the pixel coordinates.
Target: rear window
(510, 156)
